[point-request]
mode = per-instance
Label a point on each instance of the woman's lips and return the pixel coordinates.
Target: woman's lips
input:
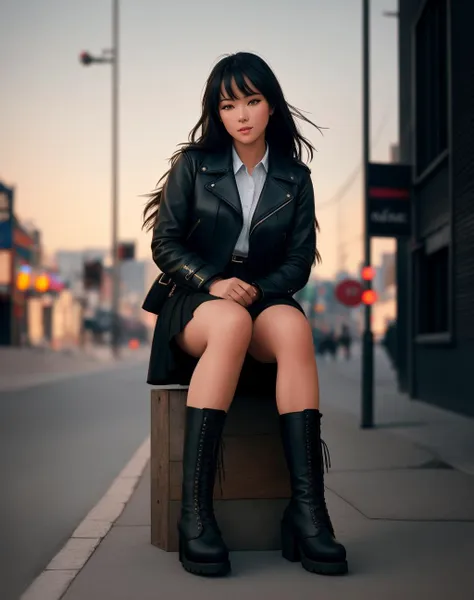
(245, 129)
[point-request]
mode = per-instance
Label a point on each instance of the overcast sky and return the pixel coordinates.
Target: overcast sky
(55, 114)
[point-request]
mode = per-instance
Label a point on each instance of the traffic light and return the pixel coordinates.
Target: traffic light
(126, 251)
(93, 271)
(368, 273)
(85, 58)
(369, 297)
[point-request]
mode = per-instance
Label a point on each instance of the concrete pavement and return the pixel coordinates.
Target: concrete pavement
(22, 368)
(447, 435)
(405, 516)
(62, 443)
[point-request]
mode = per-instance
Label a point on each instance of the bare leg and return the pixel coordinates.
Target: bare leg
(283, 334)
(219, 334)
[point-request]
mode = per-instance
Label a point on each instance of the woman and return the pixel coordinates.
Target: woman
(234, 233)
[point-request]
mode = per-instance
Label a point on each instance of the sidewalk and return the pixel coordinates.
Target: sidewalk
(27, 367)
(406, 518)
(448, 435)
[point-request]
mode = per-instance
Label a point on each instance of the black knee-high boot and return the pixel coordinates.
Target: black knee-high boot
(307, 531)
(201, 548)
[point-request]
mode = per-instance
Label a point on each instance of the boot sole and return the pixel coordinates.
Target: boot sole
(292, 552)
(321, 568)
(205, 569)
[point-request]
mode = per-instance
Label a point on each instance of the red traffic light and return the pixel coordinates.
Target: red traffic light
(85, 58)
(369, 297)
(368, 273)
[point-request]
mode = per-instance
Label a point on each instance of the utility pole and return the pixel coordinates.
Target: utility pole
(367, 339)
(113, 59)
(115, 125)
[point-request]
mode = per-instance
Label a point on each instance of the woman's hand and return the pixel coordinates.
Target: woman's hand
(235, 289)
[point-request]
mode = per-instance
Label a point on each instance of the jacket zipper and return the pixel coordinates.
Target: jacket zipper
(193, 229)
(269, 215)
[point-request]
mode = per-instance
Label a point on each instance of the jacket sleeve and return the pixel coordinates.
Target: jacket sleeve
(168, 244)
(294, 272)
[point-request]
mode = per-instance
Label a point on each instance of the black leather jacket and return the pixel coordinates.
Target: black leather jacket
(200, 220)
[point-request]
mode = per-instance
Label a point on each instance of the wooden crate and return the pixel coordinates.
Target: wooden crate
(256, 486)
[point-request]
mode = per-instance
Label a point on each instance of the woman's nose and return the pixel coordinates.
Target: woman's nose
(243, 116)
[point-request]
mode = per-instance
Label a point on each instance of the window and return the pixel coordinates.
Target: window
(431, 75)
(433, 291)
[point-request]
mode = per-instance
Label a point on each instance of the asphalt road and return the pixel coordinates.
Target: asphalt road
(61, 446)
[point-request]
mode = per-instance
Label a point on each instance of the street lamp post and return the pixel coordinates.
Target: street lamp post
(112, 57)
(367, 339)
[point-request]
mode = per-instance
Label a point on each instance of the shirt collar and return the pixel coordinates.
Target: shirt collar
(238, 164)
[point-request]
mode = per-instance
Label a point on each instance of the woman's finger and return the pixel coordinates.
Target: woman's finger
(236, 297)
(244, 292)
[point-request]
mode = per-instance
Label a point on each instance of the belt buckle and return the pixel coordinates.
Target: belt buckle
(238, 259)
(161, 279)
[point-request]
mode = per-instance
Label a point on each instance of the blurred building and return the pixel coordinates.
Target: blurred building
(384, 310)
(70, 265)
(35, 306)
(136, 278)
(20, 256)
(436, 267)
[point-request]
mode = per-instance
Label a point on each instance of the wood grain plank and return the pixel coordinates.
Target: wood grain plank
(159, 468)
(254, 468)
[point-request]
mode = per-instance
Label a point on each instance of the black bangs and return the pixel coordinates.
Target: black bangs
(235, 74)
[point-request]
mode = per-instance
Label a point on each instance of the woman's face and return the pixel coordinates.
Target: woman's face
(246, 117)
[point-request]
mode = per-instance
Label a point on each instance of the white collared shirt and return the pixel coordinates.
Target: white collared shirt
(250, 187)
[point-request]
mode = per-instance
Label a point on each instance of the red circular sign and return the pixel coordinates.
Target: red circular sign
(349, 292)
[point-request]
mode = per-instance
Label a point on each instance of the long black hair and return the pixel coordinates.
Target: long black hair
(210, 135)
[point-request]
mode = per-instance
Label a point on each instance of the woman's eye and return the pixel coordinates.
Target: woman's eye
(255, 101)
(227, 106)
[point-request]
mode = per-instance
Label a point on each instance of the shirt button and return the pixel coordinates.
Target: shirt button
(288, 195)
(203, 168)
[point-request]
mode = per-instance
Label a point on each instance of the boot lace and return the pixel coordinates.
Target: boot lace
(210, 451)
(318, 459)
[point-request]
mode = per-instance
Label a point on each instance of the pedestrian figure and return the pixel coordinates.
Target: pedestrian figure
(234, 234)
(345, 340)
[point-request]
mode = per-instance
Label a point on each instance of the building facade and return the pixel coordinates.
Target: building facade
(20, 253)
(436, 266)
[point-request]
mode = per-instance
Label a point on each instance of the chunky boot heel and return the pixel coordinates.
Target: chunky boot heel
(307, 531)
(289, 544)
(202, 550)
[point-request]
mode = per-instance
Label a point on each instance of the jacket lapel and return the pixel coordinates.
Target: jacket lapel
(222, 182)
(277, 191)
(278, 188)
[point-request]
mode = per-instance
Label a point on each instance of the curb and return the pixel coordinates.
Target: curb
(54, 581)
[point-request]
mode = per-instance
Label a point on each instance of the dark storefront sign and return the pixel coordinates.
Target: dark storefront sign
(389, 202)
(6, 212)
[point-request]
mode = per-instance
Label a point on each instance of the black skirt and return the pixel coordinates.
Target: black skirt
(169, 364)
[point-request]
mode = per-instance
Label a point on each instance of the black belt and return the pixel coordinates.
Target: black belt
(242, 260)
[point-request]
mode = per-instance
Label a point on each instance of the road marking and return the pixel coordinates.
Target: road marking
(54, 581)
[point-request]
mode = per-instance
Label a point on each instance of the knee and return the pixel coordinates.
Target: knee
(295, 336)
(232, 322)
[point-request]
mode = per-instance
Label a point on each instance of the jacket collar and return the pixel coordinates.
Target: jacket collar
(237, 163)
(276, 191)
(222, 162)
